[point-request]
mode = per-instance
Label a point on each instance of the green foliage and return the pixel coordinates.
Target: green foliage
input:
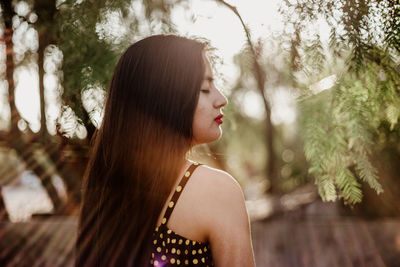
(391, 16)
(314, 58)
(90, 54)
(340, 126)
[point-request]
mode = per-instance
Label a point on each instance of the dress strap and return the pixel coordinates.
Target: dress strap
(177, 193)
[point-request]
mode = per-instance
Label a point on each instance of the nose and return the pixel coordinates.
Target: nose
(220, 100)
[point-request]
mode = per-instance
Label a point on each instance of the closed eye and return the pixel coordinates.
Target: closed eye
(206, 91)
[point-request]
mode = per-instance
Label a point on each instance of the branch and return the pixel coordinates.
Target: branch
(260, 79)
(234, 10)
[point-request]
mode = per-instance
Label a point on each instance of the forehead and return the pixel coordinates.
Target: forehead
(207, 65)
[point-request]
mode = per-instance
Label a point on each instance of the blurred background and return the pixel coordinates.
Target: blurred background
(311, 131)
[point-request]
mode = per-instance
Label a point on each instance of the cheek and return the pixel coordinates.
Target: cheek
(199, 120)
(205, 130)
(200, 113)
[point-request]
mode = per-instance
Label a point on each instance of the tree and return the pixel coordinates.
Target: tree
(90, 54)
(341, 126)
(260, 78)
(89, 60)
(46, 11)
(8, 13)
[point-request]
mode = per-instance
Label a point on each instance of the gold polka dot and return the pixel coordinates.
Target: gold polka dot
(187, 174)
(166, 251)
(178, 262)
(151, 261)
(195, 261)
(186, 262)
(173, 241)
(155, 242)
(156, 229)
(186, 251)
(163, 257)
(163, 243)
(180, 241)
(155, 263)
(178, 252)
(173, 250)
(171, 204)
(187, 242)
(205, 249)
(169, 231)
(193, 242)
(200, 251)
(161, 235)
(172, 260)
(203, 260)
(194, 252)
(164, 220)
(179, 188)
(152, 255)
(168, 240)
(159, 249)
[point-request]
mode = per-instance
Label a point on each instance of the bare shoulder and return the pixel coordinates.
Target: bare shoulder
(216, 181)
(224, 217)
(222, 196)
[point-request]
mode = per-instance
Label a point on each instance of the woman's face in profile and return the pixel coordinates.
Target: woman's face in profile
(207, 121)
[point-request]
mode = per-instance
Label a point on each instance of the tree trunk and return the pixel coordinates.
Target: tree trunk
(259, 75)
(90, 128)
(3, 210)
(43, 126)
(46, 11)
(15, 117)
(8, 13)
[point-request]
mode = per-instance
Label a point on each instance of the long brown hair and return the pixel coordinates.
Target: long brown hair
(139, 149)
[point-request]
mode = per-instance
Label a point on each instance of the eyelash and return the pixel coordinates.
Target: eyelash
(206, 91)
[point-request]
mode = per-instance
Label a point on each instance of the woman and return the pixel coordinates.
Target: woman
(161, 102)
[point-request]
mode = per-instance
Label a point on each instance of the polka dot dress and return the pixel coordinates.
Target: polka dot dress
(172, 249)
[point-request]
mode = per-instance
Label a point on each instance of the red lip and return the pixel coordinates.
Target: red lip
(218, 119)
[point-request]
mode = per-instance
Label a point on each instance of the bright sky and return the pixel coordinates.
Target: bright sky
(213, 21)
(219, 24)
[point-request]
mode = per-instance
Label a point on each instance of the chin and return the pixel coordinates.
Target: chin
(210, 138)
(216, 136)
